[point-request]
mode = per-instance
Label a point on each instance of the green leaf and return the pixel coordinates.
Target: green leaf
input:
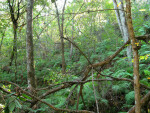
(11, 106)
(26, 96)
(11, 99)
(22, 99)
(130, 97)
(10, 94)
(52, 1)
(18, 105)
(6, 110)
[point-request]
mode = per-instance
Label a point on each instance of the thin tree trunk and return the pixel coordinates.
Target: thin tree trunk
(2, 40)
(15, 27)
(71, 47)
(29, 47)
(61, 35)
(135, 58)
(14, 51)
(118, 16)
(122, 25)
(125, 29)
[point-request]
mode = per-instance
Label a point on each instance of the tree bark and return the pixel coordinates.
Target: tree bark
(135, 58)
(15, 27)
(125, 29)
(144, 102)
(71, 47)
(61, 27)
(118, 16)
(29, 47)
(123, 25)
(2, 40)
(14, 51)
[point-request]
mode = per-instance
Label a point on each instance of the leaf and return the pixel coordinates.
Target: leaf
(22, 99)
(52, 1)
(119, 4)
(26, 96)
(10, 94)
(130, 97)
(6, 110)
(11, 106)
(142, 10)
(18, 105)
(11, 99)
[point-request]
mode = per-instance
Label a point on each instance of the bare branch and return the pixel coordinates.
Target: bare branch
(144, 101)
(51, 106)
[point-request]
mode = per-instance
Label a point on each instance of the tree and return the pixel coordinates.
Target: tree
(122, 24)
(61, 34)
(135, 58)
(14, 19)
(29, 47)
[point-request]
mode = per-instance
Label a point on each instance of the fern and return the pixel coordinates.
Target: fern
(104, 101)
(122, 74)
(120, 88)
(130, 97)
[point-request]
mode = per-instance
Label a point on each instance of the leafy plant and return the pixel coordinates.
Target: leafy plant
(130, 97)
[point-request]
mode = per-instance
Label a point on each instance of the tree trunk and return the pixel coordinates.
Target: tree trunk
(118, 16)
(122, 25)
(71, 47)
(29, 47)
(2, 40)
(63, 57)
(15, 26)
(61, 36)
(14, 51)
(125, 29)
(135, 58)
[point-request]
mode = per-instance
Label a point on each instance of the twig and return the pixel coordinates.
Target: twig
(95, 92)
(81, 87)
(67, 100)
(51, 106)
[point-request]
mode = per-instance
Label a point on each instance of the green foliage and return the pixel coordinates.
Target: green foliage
(121, 87)
(122, 74)
(96, 33)
(130, 97)
(52, 1)
(12, 103)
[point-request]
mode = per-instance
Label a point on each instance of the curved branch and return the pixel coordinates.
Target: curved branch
(40, 100)
(144, 102)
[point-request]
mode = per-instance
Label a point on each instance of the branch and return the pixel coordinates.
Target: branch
(144, 101)
(78, 49)
(143, 37)
(58, 19)
(67, 99)
(18, 11)
(90, 11)
(11, 11)
(79, 94)
(34, 17)
(8, 92)
(110, 58)
(51, 106)
(125, 79)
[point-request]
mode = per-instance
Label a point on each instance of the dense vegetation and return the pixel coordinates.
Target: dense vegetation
(89, 34)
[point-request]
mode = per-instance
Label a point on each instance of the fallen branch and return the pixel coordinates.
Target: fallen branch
(144, 101)
(40, 100)
(145, 38)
